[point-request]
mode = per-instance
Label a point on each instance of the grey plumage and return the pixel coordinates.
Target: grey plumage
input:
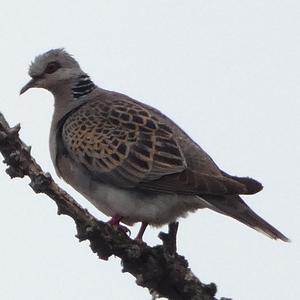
(131, 161)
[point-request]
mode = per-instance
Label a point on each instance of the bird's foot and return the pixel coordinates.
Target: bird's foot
(115, 223)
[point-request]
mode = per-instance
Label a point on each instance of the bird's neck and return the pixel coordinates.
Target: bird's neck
(70, 94)
(82, 86)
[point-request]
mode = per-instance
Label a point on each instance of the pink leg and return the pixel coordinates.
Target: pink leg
(115, 220)
(115, 223)
(139, 236)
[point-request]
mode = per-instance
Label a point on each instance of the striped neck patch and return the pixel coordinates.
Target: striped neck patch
(83, 86)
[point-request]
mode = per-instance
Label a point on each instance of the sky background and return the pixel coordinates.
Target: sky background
(227, 72)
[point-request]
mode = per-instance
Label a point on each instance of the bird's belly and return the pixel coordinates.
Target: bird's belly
(135, 205)
(132, 205)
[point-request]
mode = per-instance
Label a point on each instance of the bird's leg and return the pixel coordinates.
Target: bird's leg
(115, 220)
(115, 223)
(139, 236)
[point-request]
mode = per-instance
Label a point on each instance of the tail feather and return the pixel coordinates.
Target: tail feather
(236, 208)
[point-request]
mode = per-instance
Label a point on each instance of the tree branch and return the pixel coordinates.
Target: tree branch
(164, 272)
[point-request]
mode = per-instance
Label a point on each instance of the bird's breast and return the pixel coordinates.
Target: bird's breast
(134, 205)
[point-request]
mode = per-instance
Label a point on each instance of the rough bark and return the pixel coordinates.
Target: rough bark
(161, 269)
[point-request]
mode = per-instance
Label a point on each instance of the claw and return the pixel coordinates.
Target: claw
(115, 223)
(124, 229)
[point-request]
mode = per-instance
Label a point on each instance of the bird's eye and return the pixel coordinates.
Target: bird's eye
(52, 67)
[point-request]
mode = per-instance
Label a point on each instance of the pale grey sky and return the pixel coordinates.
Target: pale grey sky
(228, 72)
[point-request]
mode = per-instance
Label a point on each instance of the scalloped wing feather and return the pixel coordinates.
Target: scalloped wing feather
(121, 144)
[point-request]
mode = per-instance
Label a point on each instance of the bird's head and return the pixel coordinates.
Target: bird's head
(51, 69)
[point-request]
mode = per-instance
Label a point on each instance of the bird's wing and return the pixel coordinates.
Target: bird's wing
(193, 182)
(121, 143)
(125, 144)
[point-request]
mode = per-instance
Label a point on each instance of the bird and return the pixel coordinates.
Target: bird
(130, 160)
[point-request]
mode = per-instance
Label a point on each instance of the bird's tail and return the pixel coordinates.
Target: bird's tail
(236, 208)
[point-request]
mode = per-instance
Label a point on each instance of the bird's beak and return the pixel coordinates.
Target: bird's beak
(29, 85)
